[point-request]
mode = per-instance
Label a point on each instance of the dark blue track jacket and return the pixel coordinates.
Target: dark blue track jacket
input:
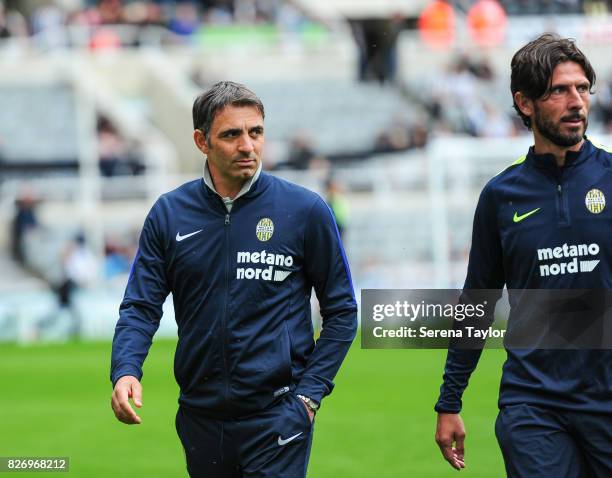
(565, 244)
(241, 284)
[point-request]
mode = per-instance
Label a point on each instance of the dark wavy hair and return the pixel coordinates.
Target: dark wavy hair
(532, 67)
(221, 94)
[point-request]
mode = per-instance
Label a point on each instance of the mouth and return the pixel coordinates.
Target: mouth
(245, 162)
(574, 120)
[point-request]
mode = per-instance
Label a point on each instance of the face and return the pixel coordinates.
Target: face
(561, 116)
(235, 144)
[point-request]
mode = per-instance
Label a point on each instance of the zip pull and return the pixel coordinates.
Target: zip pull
(227, 219)
(559, 189)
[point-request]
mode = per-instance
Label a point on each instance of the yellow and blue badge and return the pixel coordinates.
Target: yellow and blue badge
(595, 201)
(264, 229)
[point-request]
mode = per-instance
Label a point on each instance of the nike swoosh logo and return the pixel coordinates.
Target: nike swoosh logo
(179, 238)
(518, 218)
(282, 442)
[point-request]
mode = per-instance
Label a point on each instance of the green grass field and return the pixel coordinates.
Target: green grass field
(379, 421)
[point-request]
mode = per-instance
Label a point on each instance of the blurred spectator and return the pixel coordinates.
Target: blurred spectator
(111, 11)
(462, 100)
(118, 257)
(401, 135)
(376, 41)
(117, 158)
(23, 222)
(12, 23)
(80, 270)
(301, 152)
(48, 26)
(396, 137)
(185, 20)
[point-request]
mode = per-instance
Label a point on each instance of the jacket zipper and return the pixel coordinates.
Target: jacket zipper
(224, 323)
(561, 207)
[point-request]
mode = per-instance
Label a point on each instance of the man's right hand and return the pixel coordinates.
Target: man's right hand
(450, 430)
(127, 387)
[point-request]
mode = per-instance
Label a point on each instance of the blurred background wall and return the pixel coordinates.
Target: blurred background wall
(396, 111)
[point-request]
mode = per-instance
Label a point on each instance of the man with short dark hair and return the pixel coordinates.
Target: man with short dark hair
(240, 251)
(555, 417)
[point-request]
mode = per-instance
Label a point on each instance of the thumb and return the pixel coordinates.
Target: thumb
(137, 394)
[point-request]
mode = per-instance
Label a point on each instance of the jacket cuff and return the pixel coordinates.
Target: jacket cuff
(312, 388)
(448, 406)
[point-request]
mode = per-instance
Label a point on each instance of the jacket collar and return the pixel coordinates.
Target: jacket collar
(251, 188)
(245, 188)
(572, 158)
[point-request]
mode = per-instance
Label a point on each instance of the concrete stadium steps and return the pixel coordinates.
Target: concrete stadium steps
(38, 123)
(339, 117)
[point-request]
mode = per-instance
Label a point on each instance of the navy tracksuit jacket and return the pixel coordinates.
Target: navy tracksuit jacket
(535, 253)
(241, 284)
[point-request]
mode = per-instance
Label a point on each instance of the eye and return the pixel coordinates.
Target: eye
(583, 88)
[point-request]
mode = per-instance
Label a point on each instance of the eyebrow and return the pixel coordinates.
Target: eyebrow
(230, 131)
(569, 83)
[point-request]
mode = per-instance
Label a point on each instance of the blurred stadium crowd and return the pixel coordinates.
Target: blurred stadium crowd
(397, 132)
(184, 19)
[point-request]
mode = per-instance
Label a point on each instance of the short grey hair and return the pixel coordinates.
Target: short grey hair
(223, 93)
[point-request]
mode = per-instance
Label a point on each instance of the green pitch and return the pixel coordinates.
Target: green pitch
(379, 422)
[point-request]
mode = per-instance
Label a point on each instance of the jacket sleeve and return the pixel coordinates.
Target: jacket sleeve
(141, 308)
(485, 271)
(327, 268)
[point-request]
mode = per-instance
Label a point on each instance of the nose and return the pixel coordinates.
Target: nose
(245, 144)
(576, 101)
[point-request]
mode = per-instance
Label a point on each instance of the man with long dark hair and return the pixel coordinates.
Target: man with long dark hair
(532, 221)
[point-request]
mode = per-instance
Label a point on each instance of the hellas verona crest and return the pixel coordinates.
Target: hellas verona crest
(595, 201)
(264, 229)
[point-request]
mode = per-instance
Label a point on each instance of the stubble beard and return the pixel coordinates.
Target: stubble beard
(552, 131)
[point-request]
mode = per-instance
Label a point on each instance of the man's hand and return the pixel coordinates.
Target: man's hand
(311, 414)
(450, 430)
(127, 387)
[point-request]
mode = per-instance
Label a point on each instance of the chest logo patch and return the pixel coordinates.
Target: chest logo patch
(518, 218)
(264, 229)
(595, 201)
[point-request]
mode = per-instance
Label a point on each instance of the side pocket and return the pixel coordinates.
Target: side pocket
(302, 409)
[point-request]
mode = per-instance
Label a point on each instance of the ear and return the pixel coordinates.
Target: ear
(200, 141)
(524, 104)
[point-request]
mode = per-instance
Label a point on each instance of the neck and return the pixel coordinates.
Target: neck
(225, 187)
(544, 146)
